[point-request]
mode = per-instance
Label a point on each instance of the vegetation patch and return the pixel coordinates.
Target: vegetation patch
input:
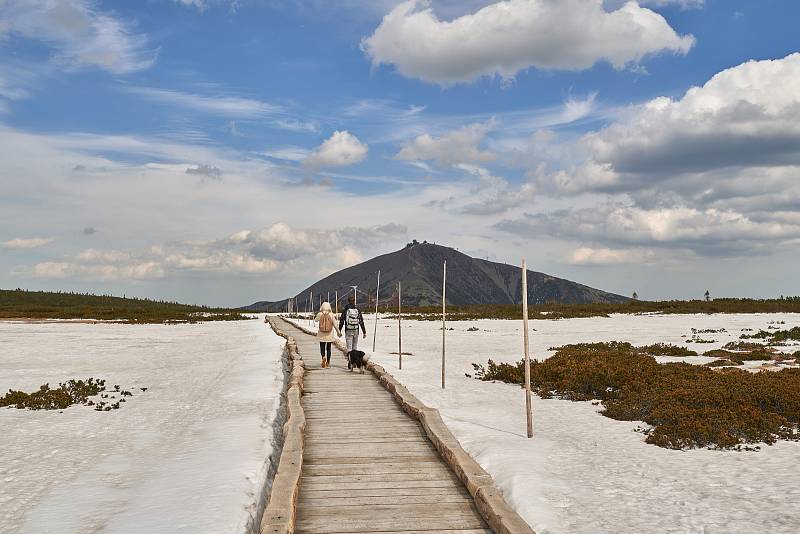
(686, 406)
(552, 310)
(68, 394)
(778, 336)
(19, 303)
(741, 357)
(46, 398)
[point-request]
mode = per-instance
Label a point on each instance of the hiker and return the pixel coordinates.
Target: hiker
(325, 332)
(350, 321)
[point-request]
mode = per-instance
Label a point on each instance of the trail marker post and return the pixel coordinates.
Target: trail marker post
(377, 292)
(399, 327)
(528, 409)
(444, 316)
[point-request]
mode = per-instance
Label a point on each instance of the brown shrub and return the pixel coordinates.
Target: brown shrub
(67, 394)
(687, 405)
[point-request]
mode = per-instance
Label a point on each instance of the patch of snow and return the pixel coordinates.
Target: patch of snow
(190, 454)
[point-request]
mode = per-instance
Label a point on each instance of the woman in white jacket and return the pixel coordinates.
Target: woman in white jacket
(325, 332)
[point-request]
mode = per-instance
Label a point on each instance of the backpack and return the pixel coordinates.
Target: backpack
(325, 323)
(351, 319)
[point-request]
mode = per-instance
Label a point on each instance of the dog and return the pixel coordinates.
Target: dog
(357, 358)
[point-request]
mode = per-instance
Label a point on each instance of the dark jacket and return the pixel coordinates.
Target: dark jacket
(343, 317)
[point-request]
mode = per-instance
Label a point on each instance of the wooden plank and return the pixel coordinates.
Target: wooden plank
(387, 499)
(380, 477)
(355, 439)
(449, 509)
(365, 449)
(370, 468)
(397, 493)
(434, 458)
(319, 483)
(324, 525)
(449, 531)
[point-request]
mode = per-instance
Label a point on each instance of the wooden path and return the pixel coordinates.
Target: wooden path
(368, 466)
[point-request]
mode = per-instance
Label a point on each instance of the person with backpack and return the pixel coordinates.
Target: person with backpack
(325, 332)
(350, 321)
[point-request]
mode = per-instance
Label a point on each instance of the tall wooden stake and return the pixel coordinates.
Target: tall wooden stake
(528, 410)
(377, 293)
(444, 315)
(399, 327)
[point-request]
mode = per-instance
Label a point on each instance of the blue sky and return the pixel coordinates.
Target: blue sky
(224, 152)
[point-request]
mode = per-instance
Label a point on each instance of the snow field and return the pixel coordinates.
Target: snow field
(582, 472)
(190, 454)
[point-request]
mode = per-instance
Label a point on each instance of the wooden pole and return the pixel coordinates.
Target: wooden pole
(377, 293)
(399, 327)
(311, 306)
(528, 409)
(444, 316)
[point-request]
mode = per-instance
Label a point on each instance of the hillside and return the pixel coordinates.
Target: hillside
(470, 281)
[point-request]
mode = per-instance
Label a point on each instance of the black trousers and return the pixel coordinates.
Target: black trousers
(325, 347)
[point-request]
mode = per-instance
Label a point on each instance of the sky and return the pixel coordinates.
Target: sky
(228, 151)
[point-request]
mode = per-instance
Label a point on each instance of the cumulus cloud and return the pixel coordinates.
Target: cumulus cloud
(452, 148)
(277, 247)
(609, 256)
(340, 150)
(81, 35)
(512, 35)
(704, 231)
(745, 117)
(21, 243)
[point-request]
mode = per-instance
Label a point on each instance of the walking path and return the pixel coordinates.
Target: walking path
(367, 465)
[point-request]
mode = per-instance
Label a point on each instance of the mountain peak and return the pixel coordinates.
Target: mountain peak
(418, 266)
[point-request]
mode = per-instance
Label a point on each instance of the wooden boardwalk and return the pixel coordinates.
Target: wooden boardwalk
(368, 466)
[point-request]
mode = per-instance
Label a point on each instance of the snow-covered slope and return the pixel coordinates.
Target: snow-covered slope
(582, 472)
(190, 454)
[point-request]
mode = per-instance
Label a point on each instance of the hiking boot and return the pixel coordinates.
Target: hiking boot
(323, 362)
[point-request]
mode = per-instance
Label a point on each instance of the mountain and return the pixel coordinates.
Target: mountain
(419, 267)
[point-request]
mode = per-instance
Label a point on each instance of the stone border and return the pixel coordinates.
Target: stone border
(502, 519)
(280, 513)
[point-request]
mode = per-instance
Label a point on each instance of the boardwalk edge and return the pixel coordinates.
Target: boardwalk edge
(501, 518)
(280, 513)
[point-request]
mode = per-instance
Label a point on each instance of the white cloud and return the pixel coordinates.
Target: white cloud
(223, 105)
(705, 231)
(451, 148)
(512, 35)
(748, 115)
(275, 248)
(20, 243)
(339, 150)
(609, 256)
(81, 35)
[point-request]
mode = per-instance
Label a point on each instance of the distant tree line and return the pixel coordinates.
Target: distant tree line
(22, 303)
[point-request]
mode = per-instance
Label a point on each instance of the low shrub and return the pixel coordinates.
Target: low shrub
(723, 363)
(687, 406)
(753, 355)
(67, 394)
